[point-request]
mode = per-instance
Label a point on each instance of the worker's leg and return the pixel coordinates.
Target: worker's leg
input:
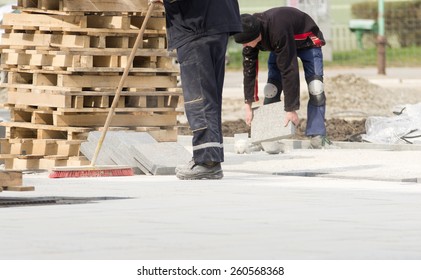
(313, 68)
(273, 87)
(202, 65)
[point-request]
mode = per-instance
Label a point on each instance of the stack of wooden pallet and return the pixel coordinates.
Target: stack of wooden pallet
(64, 60)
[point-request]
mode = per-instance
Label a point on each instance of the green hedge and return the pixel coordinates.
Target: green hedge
(402, 19)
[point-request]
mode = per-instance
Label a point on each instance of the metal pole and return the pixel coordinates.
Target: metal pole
(381, 40)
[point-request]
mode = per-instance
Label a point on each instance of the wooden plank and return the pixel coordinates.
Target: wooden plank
(39, 99)
(42, 20)
(10, 178)
(45, 127)
(95, 70)
(111, 22)
(111, 51)
(20, 146)
(44, 147)
(105, 5)
(117, 120)
(56, 40)
(20, 86)
(19, 188)
(66, 82)
(63, 111)
(21, 164)
(4, 145)
(48, 163)
(110, 81)
(176, 92)
(113, 32)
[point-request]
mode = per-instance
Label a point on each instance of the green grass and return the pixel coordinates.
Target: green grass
(395, 57)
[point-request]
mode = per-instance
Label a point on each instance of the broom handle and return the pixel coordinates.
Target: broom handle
(137, 44)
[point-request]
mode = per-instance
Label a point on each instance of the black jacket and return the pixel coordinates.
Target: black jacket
(284, 30)
(188, 20)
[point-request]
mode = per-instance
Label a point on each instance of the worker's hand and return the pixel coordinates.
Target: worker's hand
(150, 2)
(249, 113)
(291, 117)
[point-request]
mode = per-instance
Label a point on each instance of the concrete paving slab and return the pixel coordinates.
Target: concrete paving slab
(115, 149)
(161, 158)
(268, 125)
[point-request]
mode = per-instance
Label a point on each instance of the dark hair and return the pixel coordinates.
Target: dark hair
(251, 29)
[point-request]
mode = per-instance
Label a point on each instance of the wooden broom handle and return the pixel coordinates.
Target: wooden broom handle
(138, 43)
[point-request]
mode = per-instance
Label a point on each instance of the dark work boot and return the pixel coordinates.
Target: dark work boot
(196, 171)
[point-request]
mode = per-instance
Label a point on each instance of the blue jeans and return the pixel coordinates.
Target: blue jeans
(312, 60)
(202, 67)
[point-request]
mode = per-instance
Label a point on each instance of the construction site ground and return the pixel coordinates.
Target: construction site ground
(359, 202)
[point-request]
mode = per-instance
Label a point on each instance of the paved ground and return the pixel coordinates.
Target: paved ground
(358, 202)
(302, 204)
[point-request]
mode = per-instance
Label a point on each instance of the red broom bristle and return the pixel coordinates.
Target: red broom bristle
(91, 173)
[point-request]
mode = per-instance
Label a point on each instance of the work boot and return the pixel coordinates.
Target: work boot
(321, 142)
(201, 171)
(188, 165)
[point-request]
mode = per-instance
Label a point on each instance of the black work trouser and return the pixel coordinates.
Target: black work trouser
(202, 66)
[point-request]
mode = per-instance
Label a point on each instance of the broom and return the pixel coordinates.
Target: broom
(106, 170)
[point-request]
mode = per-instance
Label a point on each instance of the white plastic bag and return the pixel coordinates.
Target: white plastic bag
(404, 128)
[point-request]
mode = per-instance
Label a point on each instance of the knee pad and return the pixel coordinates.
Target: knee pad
(271, 89)
(316, 90)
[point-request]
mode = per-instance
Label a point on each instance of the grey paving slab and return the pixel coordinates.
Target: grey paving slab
(115, 149)
(161, 158)
(268, 124)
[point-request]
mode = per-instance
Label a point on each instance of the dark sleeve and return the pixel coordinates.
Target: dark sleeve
(288, 66)
(250, 69)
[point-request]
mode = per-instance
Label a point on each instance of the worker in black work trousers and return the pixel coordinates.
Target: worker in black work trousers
(199, 31)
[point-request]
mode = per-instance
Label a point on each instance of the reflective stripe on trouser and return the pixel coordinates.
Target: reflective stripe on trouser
(202, 66)
(312, 60)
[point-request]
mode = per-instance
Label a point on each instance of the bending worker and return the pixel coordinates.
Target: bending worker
(287, 33)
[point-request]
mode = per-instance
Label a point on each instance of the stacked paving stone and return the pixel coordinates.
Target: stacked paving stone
(64, 60)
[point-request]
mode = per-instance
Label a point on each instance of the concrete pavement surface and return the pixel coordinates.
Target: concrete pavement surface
(362, 201)
(301, 204)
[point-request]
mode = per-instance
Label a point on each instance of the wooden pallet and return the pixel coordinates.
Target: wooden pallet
(12, 181)
(34, 162)
(41, 131)
(64, 60)
(158, 101)
(40, 147)
(79, 82)
(94, 61)
(128, 6)
(77, 23)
